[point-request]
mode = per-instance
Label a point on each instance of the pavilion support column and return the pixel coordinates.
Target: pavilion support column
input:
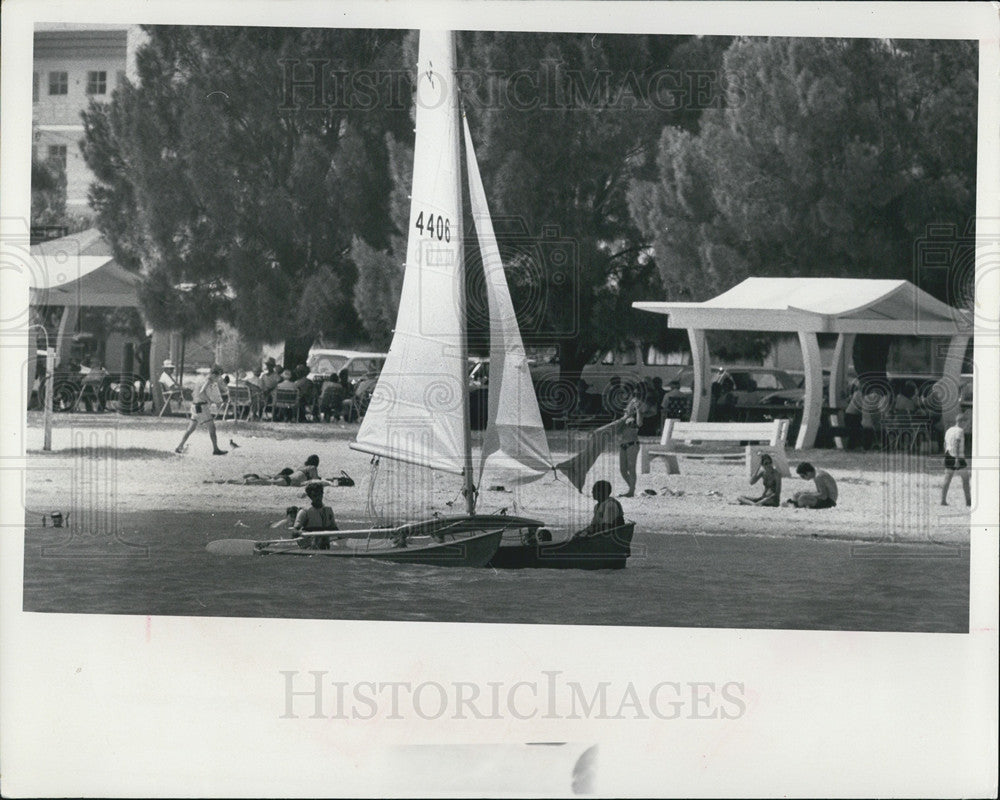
(838, 370)
(952, 379)
(701, 362)
(812, 406)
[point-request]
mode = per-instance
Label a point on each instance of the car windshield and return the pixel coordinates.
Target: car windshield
(365, 366)
(326, 364)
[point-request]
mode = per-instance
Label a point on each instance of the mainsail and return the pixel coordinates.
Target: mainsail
(515, 441)
(419, 409)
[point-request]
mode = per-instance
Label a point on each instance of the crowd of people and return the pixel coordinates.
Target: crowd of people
(282, 394)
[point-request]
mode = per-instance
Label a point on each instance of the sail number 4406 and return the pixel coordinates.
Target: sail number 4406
(437, 227)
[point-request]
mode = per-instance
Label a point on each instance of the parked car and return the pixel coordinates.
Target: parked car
(631, 364)
(323, 363)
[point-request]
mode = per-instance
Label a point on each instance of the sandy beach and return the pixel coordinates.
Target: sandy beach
(104, 461)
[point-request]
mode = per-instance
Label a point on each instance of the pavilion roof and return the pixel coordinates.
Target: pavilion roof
(79, 270)
(819, 305)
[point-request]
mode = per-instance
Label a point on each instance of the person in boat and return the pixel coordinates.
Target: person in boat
(315, 517)
(608, 513)
(772, 484)
(207, 393)
(629, 453)
(825, 495)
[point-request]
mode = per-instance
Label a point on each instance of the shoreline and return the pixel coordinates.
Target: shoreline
(129, 462)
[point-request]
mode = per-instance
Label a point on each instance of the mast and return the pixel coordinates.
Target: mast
(469, 488)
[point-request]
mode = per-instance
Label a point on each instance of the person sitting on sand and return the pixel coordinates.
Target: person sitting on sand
(317, 517)
(825, 495)
(608, 513)
(772, 484)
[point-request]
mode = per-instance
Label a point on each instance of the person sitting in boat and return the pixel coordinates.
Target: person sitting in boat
(825, 495)
(316, 517)
(772, 484)
(608, 513)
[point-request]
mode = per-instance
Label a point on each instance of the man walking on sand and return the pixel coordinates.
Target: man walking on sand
(205, 394)
(954, 458)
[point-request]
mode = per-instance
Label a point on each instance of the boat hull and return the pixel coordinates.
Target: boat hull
(605, 551)
(442, 542)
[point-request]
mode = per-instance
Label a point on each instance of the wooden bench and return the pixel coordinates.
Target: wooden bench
(772, 434)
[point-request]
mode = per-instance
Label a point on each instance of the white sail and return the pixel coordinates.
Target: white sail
(419, 409)
(514, 444)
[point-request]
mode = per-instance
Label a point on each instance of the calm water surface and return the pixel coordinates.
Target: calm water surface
(159, 565)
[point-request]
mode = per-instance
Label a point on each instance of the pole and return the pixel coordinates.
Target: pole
(448, 70)
(50, 366)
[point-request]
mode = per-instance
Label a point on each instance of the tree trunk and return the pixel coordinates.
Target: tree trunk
(296, 351)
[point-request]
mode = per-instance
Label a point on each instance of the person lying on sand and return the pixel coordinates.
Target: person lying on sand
(772, 484)
(307, 473)
(825, 495)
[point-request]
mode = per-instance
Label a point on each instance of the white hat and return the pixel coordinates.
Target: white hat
(168, 364)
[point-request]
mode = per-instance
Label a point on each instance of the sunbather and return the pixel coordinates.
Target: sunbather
(772, 484)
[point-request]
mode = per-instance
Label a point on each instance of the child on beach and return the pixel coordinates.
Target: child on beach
(954, 458)
(317, 517)
(825, 495)
(772, 484)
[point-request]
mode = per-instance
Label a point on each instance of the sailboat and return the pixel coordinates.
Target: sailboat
(419, 410)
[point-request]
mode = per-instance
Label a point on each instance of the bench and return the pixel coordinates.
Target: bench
(771, 434)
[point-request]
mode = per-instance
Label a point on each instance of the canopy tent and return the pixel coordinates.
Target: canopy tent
(75, 271)
(810, 306)
(79, 270)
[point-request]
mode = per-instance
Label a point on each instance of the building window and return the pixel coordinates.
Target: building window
(58, 83)
(34, 87)
(57, 155)
(97, 82)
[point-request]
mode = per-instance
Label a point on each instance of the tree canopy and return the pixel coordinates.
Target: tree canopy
(230, 172)
(834, 161)
(561, 123)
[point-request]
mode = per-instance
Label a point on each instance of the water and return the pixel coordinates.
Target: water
(671, 580)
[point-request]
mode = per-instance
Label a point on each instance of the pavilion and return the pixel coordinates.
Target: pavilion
(77, 271)
(809, 307)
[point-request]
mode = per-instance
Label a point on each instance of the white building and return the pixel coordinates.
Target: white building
(74, 64)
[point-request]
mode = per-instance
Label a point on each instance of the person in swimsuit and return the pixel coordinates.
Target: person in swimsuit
(772, 484)
(315, 517)
(307, 473)
(208, 392)
(825, 495)
(954, 459)
(608, 513)
(629, 454)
